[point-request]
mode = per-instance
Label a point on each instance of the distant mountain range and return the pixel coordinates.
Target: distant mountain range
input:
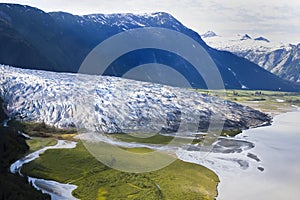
(58, 41)
(280, 59)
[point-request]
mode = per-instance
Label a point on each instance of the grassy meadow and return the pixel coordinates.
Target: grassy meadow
(266, 101)
(95, 181)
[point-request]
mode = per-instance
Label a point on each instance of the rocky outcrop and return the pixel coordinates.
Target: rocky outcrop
(2, 113)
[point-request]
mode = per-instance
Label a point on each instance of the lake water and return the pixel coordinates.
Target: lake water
(269, 169)
(278, 147)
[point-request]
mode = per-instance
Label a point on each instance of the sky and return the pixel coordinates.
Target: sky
(276, 20)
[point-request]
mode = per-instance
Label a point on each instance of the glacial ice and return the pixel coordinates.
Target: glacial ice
(111, 104)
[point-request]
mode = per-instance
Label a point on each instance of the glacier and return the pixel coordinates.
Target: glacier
(115, 105)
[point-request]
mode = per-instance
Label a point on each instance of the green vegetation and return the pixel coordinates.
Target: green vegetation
(230, 133)
(180, 180)
(155, 139)
(166, 139)
(14, 187)
(39, 143)
(36, 129)
(266, 101)
(261, 96)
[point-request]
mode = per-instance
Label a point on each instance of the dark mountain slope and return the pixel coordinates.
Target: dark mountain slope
(15, 50)
(60, 41)
(47, 46)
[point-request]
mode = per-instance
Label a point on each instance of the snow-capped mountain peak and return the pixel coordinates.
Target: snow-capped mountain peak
(209, 34)
(262, 39)
(246, 37)
(278, 58)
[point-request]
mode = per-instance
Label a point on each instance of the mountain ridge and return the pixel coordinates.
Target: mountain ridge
(59, 41)
(278, 58)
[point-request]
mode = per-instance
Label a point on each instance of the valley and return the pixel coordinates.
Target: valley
(77, 166)
(84, 171)
(34, 120)
(131, 105)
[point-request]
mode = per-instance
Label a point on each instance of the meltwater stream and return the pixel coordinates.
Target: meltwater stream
(56, 190)
(261, 163)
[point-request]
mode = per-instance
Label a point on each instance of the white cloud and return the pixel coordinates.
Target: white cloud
(275, 19)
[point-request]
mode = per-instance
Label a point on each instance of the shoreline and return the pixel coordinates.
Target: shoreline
(237, 169)
(46, 186)
(275, 146)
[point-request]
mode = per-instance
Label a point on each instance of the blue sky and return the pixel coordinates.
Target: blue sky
(275, 19)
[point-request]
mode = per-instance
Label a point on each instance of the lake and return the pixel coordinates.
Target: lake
(267, 169)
